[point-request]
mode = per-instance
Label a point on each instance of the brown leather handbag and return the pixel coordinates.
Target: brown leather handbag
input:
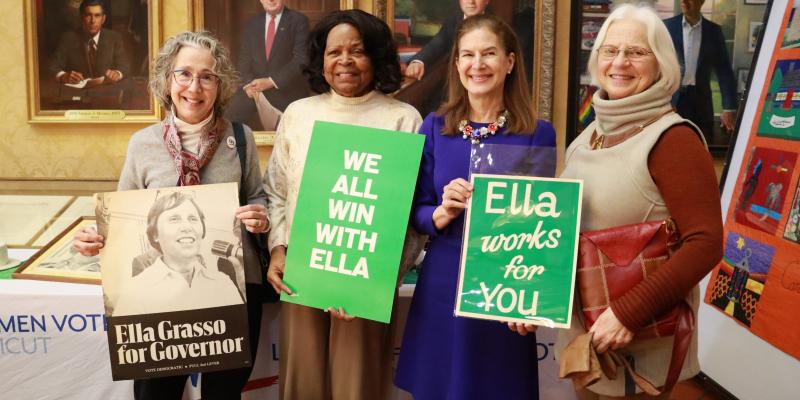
(614, 260)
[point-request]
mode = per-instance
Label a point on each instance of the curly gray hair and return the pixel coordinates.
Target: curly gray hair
(161, 73)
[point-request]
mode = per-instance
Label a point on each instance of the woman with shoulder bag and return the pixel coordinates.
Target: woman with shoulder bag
(641, 162)
(193, 79)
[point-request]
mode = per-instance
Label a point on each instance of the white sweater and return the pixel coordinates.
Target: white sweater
(285, 169)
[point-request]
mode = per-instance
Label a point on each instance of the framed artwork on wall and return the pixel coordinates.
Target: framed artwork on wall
(414, 28)
(237, 23)
(755, 287)
(58, 261)
(752, 38)
(89, 61)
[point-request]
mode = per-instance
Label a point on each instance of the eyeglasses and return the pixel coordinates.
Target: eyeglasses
(633, 54)
(185, 78)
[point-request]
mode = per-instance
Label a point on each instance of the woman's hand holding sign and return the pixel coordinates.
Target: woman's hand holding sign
(340, 314)
(88, 242)
(522, 329)
(454, 200)
(254, 217)
(277, 264)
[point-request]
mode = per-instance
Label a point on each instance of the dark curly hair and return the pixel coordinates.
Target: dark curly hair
(378, 44)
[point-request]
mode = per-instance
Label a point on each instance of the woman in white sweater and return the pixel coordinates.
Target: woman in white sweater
(353, 64)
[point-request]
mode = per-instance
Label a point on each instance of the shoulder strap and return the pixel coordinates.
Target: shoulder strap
(241, 149)
(683, 337)
(259, 240)
(605, 141)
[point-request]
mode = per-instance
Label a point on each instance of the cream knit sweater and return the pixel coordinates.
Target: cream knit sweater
(285, 169)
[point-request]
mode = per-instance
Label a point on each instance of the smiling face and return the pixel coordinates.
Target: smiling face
(618, 76)
(179, 233)
(482, 63)
(272, 7)
(193, 103)
(473, 7)
(346, 66)
(92, 19)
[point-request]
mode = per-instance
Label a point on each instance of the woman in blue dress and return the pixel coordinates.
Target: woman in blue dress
(443, 356)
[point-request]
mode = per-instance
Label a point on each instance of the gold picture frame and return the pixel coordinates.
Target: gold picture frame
(543, 76)
(312, 9)
(137, 32)
(542, 82)
(544, 54)
(57, 261)
(197, 17)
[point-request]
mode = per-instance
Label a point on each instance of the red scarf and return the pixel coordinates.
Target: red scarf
(188, 165)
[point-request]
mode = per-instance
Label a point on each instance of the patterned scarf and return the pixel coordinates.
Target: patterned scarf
(188, 165)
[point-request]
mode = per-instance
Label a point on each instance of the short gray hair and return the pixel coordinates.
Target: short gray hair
(658, 39)
(161, 72)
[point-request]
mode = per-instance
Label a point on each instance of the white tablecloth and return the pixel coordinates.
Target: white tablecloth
(53, 346)
(53, 343)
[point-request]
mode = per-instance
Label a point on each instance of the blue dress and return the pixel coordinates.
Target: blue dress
(442, 356)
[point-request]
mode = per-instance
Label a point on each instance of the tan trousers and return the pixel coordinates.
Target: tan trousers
(322, 358)
(584, 394)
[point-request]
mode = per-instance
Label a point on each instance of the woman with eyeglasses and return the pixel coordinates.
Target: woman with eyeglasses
(193, 79)
(640, 161)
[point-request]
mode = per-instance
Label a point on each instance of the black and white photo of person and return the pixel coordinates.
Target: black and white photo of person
(179, 278)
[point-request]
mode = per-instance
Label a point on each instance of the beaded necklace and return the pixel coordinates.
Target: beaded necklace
(475, 135)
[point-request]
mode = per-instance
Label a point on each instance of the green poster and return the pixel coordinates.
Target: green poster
(351, 218)
(520, 248)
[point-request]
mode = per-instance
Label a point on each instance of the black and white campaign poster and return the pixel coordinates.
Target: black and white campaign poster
(173, 281)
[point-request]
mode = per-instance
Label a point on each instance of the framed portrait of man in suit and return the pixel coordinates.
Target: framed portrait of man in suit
(267, 43)
(242, 25)
(89, 60)
(425, 32)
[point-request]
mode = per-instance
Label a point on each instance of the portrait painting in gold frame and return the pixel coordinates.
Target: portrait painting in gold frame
(232, 22)
(536, 19)
(88, 61)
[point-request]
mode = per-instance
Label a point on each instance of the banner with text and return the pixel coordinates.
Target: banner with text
(520, 248)
(352, 213)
